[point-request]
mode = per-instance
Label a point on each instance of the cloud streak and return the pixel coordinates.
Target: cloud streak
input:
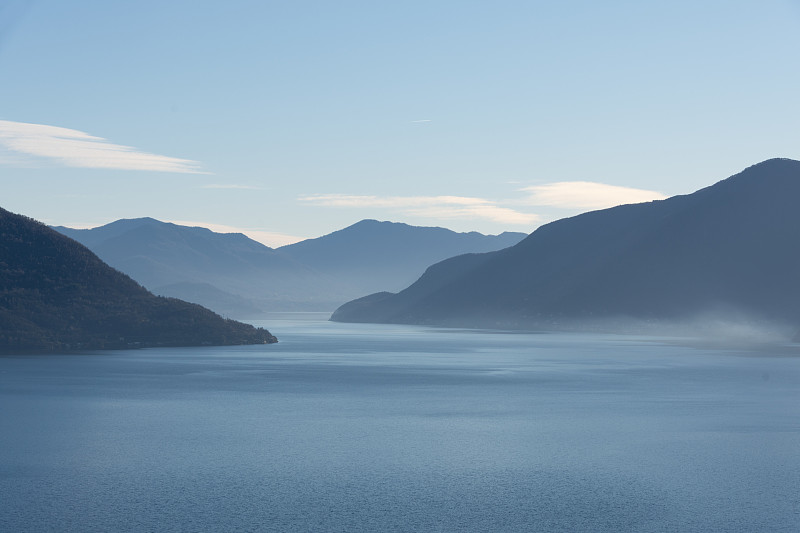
(586, 195)
(235, 187)
(73, 148)
(573, 195)
(442, 207)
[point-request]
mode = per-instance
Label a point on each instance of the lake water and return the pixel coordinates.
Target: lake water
(345, 427)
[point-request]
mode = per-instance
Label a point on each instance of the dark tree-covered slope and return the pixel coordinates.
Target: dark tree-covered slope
(56, 295)
(732, 249)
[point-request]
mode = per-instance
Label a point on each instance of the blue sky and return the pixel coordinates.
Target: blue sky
(289, 120)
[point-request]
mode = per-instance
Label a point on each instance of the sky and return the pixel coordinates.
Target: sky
(288, 120)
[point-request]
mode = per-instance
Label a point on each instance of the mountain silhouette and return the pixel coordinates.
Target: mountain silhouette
(728, 251)
(373, 255)
(238, 276)
(56, 295)
(227, 272)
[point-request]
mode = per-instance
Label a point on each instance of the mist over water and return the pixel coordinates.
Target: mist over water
(351, 427)
(722, 327)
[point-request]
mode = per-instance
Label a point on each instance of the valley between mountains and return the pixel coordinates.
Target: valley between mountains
(241, 278)
(720, 262)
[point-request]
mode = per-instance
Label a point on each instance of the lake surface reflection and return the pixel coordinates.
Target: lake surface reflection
(345, 427)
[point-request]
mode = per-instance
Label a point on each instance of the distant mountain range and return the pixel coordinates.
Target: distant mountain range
(371, 256)
(239, 277)
(56, 295)
(228, 273)
(729, 252)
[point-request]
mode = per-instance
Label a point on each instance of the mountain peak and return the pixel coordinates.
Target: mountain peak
(777, 162)
(769, 180)
(776, 168)
(132, 222)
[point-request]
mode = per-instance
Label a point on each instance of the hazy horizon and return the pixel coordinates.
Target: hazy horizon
(287, 121)
(259, 237)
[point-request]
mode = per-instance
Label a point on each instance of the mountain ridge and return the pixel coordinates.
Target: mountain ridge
(656, 261)
(240, 277)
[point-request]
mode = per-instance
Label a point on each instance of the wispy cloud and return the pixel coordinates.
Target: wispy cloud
(442, 207)
(223, 186)
(586, 195)
(268, 238)
(421, 121)
(486, 211)
(75, 148)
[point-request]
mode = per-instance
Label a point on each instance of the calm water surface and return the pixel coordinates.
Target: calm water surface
(381, 428)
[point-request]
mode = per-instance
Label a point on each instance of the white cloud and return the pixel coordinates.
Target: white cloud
(442, 207)
(491, 212)
(75, 148)
(587, 195)
(267, 238)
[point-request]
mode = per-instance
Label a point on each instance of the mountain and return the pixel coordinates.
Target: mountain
(56, 295)
(728, 252)
(372, 255)
(237, 276)
(227, 272)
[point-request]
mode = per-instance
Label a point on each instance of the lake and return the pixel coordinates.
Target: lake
(346, 427)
